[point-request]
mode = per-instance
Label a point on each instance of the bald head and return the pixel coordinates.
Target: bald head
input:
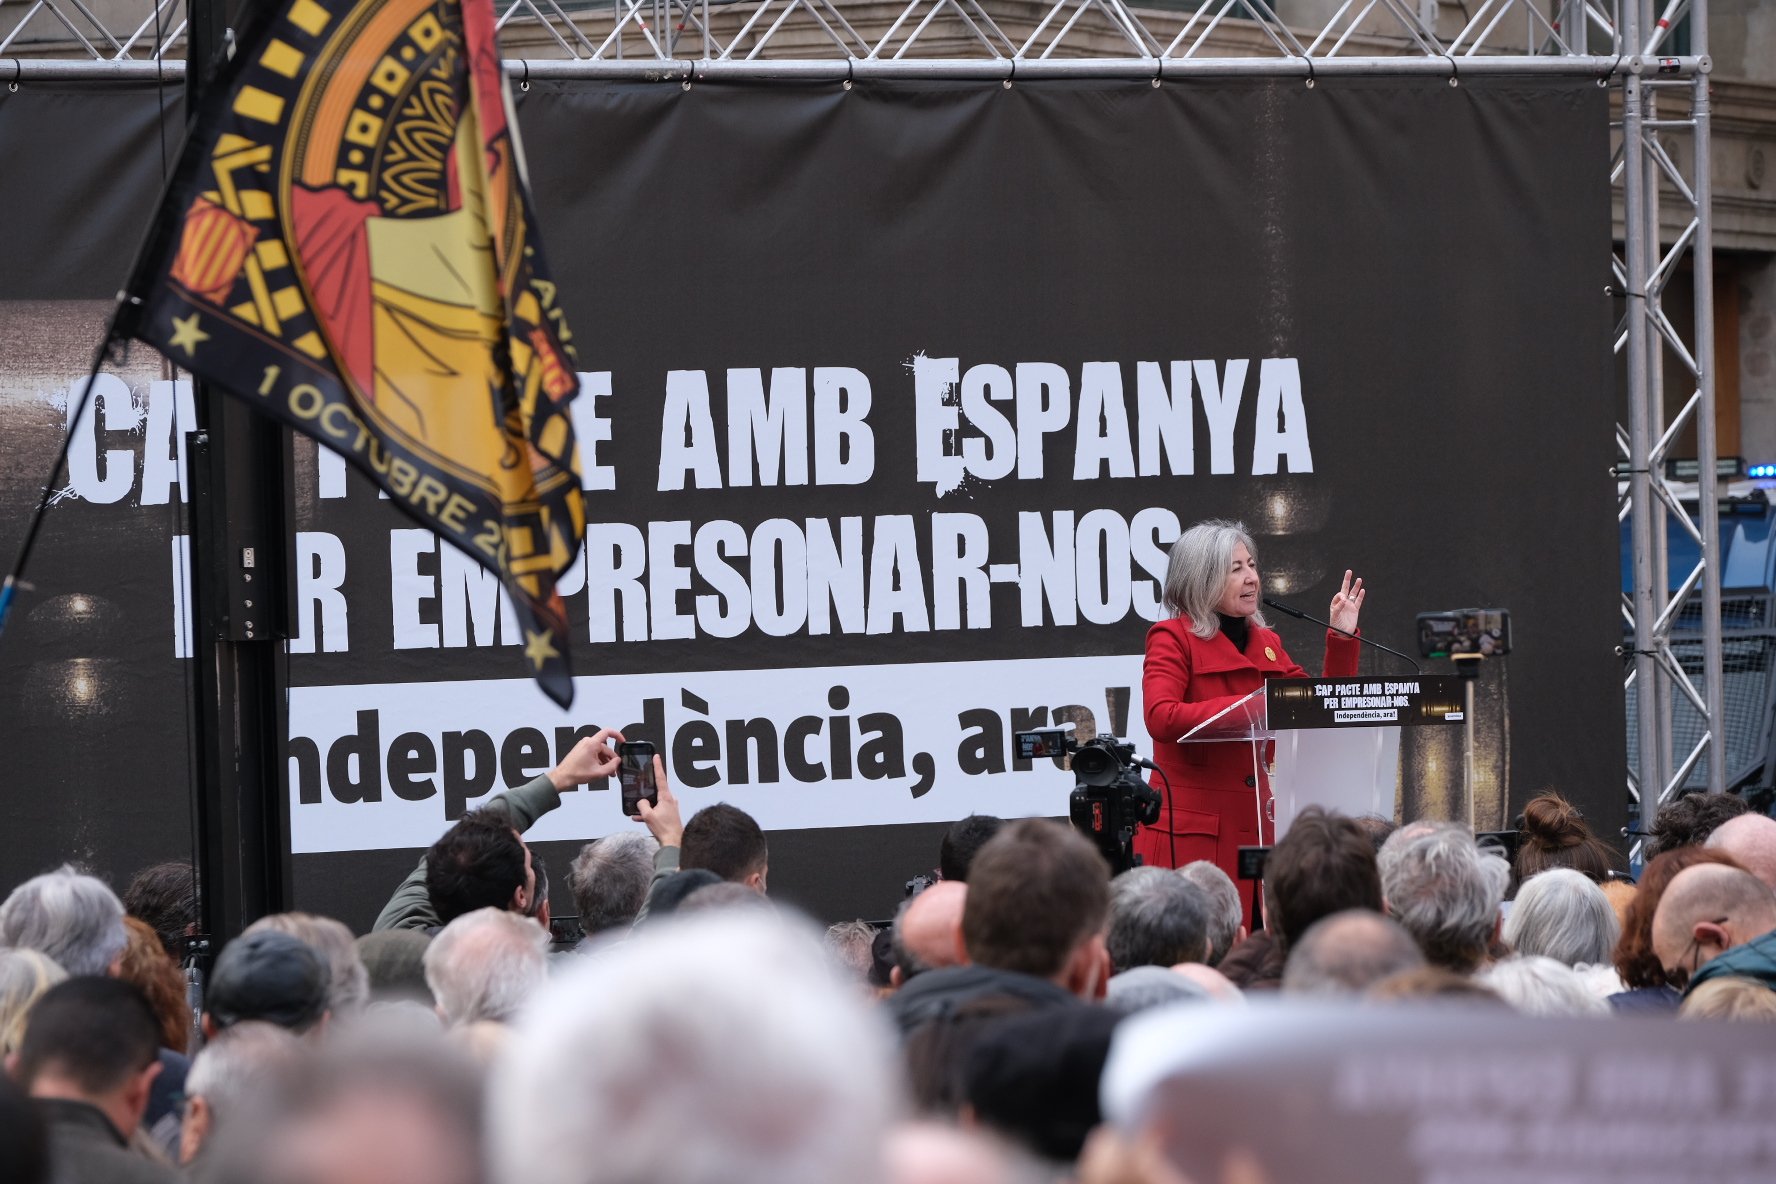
(1750, 839)
(1347, 953)
(928, 932)
(1707, 910)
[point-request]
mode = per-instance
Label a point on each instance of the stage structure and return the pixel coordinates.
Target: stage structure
(1660, 169)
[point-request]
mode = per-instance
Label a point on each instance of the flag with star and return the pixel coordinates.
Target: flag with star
(348, 244)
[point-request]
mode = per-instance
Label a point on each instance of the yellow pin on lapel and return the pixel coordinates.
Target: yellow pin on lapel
(1270, 653)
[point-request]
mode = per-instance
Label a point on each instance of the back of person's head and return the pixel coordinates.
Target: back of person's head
(1378, 829)
(711, 1050)
(962, 842)
(927, 930)
(1635, 958)
(348, 981)
(234, 1072)
(1324, 864)
(145, 964)
(391, 1104)
(71, 917)
(1707, 910)
(24, 1143)
(723, 894)
(394, 963)
(1347, 953)
(1554, 835)
(1434, 984)
(484, 965)
(670, 894)
(609, 879)
(1691, 819)
(480, 863)
(1152, 986)
(1536, 985)
(1445, 890)
(852, 944)
(24, 976)
(165, 896)
(1156, 919)
(724, 839)
(1564, 915)
(267, 976)
(1034, 1078)
(1226, 914)
(94, 1034)
(1036, 892)
(1730, 997)
(1750, 839)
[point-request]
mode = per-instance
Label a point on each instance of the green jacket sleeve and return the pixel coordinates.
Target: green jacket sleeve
(665, 864)
(411, 906)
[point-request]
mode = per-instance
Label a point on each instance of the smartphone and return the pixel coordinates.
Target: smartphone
(636, 776)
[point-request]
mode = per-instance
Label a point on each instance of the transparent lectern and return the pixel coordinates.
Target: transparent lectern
(1332, 742)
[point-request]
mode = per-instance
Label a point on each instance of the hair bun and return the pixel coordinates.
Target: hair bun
(1552, 822)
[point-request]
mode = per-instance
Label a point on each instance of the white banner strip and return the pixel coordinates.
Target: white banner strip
(388, 765)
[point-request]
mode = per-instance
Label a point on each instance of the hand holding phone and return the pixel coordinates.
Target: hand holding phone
(635, 775)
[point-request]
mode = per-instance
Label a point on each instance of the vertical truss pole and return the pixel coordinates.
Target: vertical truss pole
(1707, 509)
(1640, 439)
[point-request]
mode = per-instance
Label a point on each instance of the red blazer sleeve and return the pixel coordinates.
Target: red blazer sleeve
(1165, 681)
(1342, 652)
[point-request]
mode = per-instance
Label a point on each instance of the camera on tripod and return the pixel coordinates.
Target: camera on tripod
(1109, 800)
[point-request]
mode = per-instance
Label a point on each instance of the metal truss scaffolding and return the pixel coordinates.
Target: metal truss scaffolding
(1660, 171)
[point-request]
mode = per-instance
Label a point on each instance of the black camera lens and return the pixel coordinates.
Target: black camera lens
(1094, 766)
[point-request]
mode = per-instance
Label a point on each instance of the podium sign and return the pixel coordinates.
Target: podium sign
(1364, 702)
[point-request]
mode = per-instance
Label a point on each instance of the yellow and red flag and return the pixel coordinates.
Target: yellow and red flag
(349, 245)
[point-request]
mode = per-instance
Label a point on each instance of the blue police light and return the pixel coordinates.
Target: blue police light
(1763, 470)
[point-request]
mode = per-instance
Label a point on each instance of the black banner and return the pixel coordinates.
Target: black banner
(1367, 702)
(894, 399)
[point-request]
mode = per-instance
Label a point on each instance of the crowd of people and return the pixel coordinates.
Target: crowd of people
(699, 1033)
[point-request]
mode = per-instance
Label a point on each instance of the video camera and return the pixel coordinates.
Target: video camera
(1109, 800)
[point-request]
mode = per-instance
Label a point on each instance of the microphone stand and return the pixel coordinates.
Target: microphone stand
(1297, 613)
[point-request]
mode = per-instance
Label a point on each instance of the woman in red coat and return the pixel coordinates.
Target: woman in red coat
(1214, 650)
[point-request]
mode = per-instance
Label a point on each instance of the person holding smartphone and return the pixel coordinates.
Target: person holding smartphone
(412, 905)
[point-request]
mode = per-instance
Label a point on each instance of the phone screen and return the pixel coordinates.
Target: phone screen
(636, 776)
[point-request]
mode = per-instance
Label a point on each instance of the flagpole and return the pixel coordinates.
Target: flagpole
(241, 505)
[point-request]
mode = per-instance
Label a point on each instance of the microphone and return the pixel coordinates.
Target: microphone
(1295, 612)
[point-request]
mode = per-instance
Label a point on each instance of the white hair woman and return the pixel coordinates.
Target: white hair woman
(1213, 650)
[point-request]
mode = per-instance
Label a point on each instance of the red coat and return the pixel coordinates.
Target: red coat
(1217, 790)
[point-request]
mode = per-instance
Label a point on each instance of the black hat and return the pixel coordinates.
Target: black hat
(267, 976)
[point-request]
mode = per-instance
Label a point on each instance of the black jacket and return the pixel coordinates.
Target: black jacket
(937, 994)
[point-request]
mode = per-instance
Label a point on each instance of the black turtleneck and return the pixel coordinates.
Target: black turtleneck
(1237, 629)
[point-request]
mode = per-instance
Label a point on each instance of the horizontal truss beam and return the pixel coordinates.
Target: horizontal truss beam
(15, 71)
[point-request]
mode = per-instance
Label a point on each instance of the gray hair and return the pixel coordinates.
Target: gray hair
(1541, 986)
(853, 946)
(1446, 890)
(1156, 919)
(485, 964)
(1561, 914)
(734, 1017)
(70, 917)
(1196, 574)
(348, 981)
(24, 976)
(1226, 913)
(1347, 953)
(610, 878)
(239, 1063)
